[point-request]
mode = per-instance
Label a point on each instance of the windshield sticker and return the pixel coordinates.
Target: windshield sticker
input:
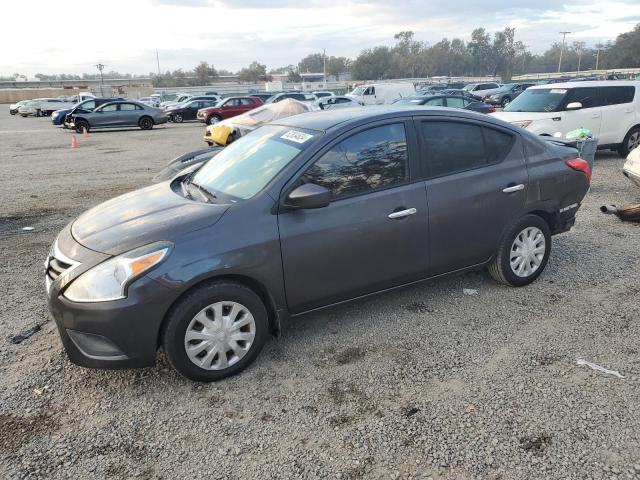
(295, 136)
(558, 90)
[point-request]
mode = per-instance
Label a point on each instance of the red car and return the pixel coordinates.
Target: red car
(227, 108)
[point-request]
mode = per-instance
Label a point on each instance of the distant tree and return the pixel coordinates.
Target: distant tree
(204, 73)
(625, 51)
(293, 76)
(253, 73)
(372, 64)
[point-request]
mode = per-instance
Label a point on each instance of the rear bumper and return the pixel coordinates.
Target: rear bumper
(633, 176)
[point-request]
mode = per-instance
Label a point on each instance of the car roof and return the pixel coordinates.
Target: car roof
(590, 83)
(326, 120)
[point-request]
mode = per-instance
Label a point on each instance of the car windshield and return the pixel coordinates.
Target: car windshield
(469, 87)
(243, 168)
(358, 91)
(537, 100)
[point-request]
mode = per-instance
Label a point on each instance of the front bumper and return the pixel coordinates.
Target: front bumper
(116, 334)
(631, 175)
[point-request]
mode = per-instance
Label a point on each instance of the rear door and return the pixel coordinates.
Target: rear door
(128, 115)
(373, 235)
(476, 188)
(618, 113)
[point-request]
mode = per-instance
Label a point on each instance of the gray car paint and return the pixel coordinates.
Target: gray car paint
(285, 255)
(130, 118)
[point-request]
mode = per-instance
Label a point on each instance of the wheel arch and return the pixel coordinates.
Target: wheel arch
(254, 285)
(142, 117)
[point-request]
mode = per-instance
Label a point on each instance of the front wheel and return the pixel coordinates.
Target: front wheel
(145, 123)
(81, 126)
(215, 331)
(213, 119)
(177, 118)
(524, 252)
(505, 101)
(631, 141)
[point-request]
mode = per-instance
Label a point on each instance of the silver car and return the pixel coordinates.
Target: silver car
(117, 115)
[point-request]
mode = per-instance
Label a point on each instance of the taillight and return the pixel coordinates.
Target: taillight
(581, 166)
(492, 109)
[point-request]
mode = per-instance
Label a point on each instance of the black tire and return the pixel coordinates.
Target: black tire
(505, 101)
(181, 314)
(625, 147)
(500, 268)
(213, 119)
(80, 125)
(145, 123)
(177, 118)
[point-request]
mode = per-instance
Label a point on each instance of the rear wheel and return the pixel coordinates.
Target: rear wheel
(213, 119)
(631, 141)
(81, 126)
(215, 331)
(145, 123)
(524, 252)
(505, 101)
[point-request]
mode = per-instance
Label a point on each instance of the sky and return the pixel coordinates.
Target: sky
(72, 37)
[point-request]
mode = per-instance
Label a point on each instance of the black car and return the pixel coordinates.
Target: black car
(505, 94)
(189, 109)
(318, 209)
(451, 101)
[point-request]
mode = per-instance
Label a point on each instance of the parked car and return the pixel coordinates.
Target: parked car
(117, 115)
(336, 101)
(186, 163)
(59, 116)
(13, 108)
(481, 89)
(631, 168)
(322, 93)
(227, 131)
(227, 108)
(299, 96)
(609, 109)
(505, 94)
(318, 209)
(451, 101)
(151, 101)
(188, 110)
(381, 93)
(181, 98)
(41, 107)
(263, 96)
(461, 93)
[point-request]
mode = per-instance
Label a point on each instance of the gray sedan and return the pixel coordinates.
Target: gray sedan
(117, 115)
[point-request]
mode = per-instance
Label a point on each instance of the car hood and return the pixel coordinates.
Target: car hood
(518, 116)
(140, 217)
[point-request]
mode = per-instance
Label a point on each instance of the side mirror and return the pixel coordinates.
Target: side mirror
(574, 106)
(308, 196)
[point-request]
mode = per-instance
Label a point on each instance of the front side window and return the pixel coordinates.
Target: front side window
(588, 97)
(435, 102)
(109, 108)
(452, 147)
(366, 161)
(243, 168)
(455, 102)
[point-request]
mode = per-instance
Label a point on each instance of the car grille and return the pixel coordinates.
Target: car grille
(56, 264)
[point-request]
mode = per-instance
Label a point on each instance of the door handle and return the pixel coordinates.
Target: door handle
(513, 188)
(595, 115)
(402, 213)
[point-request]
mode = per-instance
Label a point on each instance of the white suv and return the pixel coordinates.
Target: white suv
(610, 109)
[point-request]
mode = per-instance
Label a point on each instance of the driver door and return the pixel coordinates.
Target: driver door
(589, 116)
(374, 233)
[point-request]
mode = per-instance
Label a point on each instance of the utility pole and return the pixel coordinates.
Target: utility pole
(599, 47)
(158, 62)
(324, 68)
(100, 68)
(579, 57)
(564, 35)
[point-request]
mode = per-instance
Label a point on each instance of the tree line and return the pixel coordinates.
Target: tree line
(485, 54)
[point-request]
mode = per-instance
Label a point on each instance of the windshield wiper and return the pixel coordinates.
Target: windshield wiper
(208, 194)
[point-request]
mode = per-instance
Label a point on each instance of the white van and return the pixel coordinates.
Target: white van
(381, 93)
(610, 109)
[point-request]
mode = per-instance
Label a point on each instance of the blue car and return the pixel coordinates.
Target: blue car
(57, 117)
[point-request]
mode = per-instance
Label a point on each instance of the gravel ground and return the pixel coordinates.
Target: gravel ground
(427, 382)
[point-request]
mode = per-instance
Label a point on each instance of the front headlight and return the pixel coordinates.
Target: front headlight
(109, 280)
(522, 123)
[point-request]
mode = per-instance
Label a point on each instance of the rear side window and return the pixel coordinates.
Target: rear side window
(617, 95)
(452, 147)
(456, 102)
(127, 106)
(366, 161)
(435, 102)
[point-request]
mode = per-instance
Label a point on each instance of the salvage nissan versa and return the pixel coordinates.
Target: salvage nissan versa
(319, 209)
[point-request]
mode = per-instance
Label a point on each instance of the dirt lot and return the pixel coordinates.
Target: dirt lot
(427, 382)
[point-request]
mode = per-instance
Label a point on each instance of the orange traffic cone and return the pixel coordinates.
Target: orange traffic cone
(74, 142)
(85, 133)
